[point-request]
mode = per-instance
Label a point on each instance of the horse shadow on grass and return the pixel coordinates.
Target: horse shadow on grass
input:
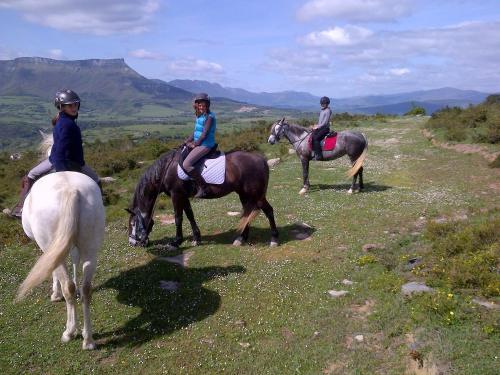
(258, 236)
(370, 187)
(163, 311)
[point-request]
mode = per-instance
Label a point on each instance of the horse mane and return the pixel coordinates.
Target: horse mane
(152, 176)
(297, 129)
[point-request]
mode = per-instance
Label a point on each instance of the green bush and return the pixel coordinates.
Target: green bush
(416, 110)
(465, 255)
(479, 124)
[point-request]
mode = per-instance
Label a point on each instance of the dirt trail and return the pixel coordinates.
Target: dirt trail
(462, 147)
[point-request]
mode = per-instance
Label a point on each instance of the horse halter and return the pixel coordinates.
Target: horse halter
(140, 230)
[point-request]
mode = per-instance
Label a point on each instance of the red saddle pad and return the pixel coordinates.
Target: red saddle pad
(329, 143)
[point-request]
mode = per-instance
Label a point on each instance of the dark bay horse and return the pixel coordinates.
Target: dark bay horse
(352, 144)
(247, 174)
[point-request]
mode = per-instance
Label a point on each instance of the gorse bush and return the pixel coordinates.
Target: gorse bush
(479, 124)
(416, 110)
(465, 255)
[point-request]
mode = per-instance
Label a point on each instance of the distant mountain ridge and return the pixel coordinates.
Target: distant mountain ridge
(431, 100)
(100, 82)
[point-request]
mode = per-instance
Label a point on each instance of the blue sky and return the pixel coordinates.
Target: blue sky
(337, 48)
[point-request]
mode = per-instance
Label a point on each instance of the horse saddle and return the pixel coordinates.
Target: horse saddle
(212, 166)
(328, 143)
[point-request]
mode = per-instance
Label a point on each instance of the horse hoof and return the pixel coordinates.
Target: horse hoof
(68, 336)
(56, 297)
(237, 242)
(349, 191)
(273, 244)
(172, 247)
(302, 191)
(195, 243)
(89, 345)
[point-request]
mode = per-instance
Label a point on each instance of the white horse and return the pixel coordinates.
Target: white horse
(63, 213)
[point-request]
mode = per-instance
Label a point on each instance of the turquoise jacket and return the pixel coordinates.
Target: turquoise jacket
(199, 125)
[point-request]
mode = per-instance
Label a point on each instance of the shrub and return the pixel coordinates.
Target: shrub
(416, 110)
(465, 255)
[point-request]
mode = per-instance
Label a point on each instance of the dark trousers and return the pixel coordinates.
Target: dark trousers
(317, 136)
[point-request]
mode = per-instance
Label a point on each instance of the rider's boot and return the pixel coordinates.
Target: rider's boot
(318, 154)
(202, 186)
(26, 185)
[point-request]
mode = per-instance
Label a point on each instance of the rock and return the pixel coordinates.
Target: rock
(412, 263)
(359, 338)
(316, 334)
(244, 344)
(240, 323)
(347, 282)
(370, 246)
(207, 341)
(6, 211)
(415, 287)
(291, 151)
(273, 162)
(108, 179)
(233, 213)
(337, 293)
(487, 304)
(169, 286)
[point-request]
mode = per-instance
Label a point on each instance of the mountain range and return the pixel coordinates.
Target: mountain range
(112, 91)
(431, 100)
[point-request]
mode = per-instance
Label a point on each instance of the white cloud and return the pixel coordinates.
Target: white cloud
(88, 16)
(8, 54)
(146, 55)
(399, 71)
(336, 36)
(355, 10)
(189, 67)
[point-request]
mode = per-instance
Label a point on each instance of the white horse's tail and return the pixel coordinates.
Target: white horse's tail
(359, 161)
(64, 240)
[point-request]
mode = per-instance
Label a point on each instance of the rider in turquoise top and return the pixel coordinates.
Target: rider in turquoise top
(201, 141)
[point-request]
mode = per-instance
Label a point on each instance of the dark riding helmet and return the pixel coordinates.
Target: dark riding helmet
(202, 97)
(324, 100)
(66, 96)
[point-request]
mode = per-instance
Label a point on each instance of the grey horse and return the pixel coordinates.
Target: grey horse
(352, 144)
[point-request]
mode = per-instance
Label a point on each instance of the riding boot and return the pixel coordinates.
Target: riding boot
(202, 186)
(318, 153)
(26, 185)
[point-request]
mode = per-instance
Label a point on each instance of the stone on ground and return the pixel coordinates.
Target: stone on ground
(415, 287)
(337, 293)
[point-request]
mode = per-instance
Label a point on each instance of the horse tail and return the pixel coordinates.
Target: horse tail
(56, 253)
(248, 215)
(359, 161)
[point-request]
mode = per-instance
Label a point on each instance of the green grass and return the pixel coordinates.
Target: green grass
(256, 309)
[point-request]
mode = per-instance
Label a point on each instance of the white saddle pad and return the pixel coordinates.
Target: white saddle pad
(214, 171)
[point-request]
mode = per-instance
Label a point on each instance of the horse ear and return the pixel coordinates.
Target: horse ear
(129, 211)
(282, 120)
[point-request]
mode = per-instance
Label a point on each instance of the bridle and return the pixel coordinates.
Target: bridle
(142, 226)
(277, 136)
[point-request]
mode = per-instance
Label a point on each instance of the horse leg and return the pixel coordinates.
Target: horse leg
(269, 212)
(178, 203)
(56, 295)
(196, 231)
(361, 185)
(305, 175)
(68, 290)
(89, 266)
(75, 260)
(353, 185)
(243, 237)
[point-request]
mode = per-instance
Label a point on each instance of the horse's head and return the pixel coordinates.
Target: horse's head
(138, 228)
(277, 131)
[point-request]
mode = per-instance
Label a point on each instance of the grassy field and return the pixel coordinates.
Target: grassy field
(261, 310)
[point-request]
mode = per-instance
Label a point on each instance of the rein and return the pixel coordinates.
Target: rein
(300, 140)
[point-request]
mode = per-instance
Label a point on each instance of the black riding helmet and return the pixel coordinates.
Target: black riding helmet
(324, 100)
(202, 97)
(66, 96)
